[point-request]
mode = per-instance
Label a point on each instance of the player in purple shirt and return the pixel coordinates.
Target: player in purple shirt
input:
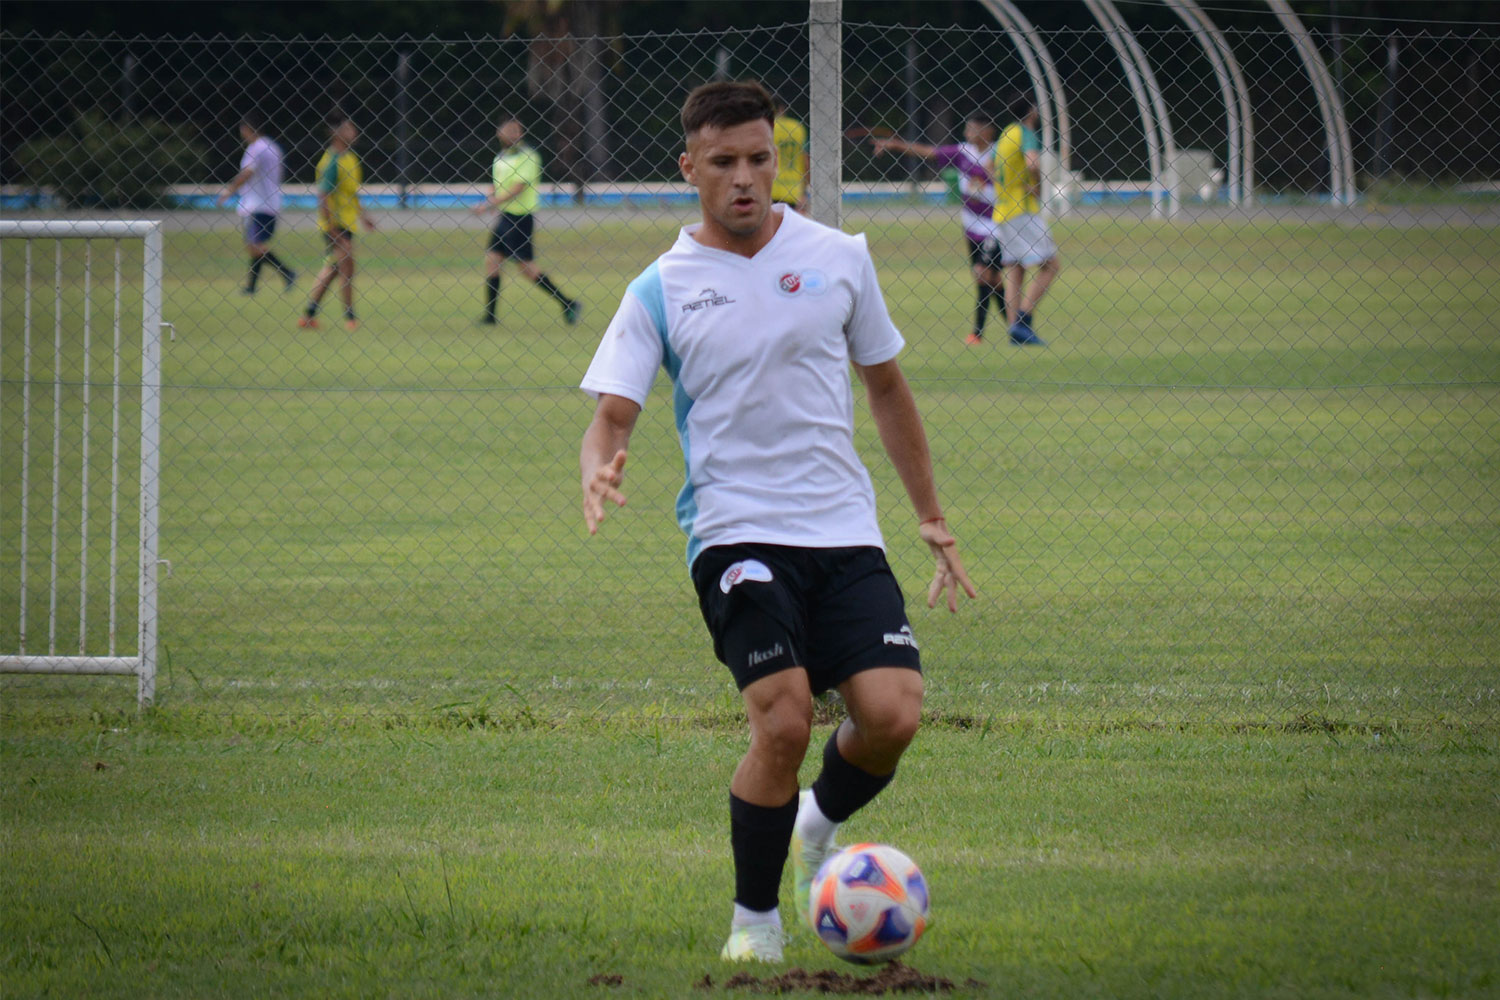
(977, 190)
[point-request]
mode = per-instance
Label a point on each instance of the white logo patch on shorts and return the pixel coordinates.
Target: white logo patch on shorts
(901, 638)
(745, 569)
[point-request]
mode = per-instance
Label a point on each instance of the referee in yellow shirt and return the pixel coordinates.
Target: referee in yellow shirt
(516, 174)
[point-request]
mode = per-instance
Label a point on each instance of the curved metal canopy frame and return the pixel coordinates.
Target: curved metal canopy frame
(1245, 195)
(1054, 80)
(1052, 102)
(1159, 151)
(1335, 124)
(1230, 89)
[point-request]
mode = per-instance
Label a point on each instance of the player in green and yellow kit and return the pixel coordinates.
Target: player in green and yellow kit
(1025, 241)
(790, 137)
(516, 174)
(339, 218)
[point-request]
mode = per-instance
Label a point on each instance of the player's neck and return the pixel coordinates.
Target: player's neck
(715, 236)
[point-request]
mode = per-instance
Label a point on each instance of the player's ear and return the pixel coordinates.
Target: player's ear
(685, 164)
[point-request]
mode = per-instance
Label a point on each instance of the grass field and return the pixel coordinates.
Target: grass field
(1222, 722)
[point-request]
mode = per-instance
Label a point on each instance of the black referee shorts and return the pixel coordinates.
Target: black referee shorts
(833, 612)
(511, 236)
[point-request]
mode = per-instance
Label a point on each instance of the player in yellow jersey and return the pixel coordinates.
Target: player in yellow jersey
(790, 137)
(339, 218)
(516, 173)
(1026, 243)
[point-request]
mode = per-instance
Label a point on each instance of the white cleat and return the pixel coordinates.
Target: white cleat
(755, 943)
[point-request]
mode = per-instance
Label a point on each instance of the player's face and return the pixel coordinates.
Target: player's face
(346, 133)
(509, 134)
(247, 133)
(733, 169)
(976, 133)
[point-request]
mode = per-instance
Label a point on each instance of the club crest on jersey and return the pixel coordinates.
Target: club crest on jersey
(808, 281)
(745, 569)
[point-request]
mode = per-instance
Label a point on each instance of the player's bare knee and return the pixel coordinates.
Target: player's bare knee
(784, 732)
(889, 728)
(896, 728)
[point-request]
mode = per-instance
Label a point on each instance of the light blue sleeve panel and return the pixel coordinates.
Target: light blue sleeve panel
(635, 344)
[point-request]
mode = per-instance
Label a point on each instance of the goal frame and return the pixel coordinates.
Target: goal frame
(143, 664)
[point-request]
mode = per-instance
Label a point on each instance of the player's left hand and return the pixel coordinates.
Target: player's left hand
(949, 575)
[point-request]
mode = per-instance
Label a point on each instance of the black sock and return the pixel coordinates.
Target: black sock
(491, 294)
(843, 789)
(256, 263)
(760, 837)
(312, 309)
(545, 284)
(276, 262)
(982, 308)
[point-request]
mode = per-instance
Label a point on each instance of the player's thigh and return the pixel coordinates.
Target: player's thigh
(857, 620)
(748, 596)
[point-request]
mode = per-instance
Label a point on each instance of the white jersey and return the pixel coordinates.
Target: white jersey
(261, 194)
(758, 351)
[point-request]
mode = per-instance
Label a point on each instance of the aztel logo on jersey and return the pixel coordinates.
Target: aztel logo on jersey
(707, 297)
(808, 281)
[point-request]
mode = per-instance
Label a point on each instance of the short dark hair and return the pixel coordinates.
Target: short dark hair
(1020, 104)
(253, 121)
(335, 119)
(724, 104)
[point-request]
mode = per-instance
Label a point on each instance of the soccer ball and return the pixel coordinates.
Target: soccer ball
(869, 903)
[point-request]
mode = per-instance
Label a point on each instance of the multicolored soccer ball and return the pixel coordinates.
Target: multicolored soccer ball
(869, 903)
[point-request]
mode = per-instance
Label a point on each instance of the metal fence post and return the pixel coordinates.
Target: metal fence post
(825, 90)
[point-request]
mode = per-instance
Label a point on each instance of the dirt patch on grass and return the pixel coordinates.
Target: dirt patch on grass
(893, 978)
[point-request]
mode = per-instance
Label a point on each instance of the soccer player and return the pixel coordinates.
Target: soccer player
(259, 186)
(516, 173)
(977, 208)
(1025, 241)
(790, 187)
(756, 314)
(339, 217)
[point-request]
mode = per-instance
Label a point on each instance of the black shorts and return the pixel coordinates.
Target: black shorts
(984, 253)
(260, 227)
(511, 236)
(833, 612)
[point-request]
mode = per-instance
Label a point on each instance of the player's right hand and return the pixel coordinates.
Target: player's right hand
(603, 485)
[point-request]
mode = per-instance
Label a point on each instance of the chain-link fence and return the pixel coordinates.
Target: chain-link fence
(1253, 476)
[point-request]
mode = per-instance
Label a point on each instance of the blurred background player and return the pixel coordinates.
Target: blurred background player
(976, 211)
(339, 218)
(259, 186)
(1025, 241)
(790, 136)
(516, 174)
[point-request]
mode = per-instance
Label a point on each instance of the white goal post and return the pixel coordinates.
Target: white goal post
(51, 235)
